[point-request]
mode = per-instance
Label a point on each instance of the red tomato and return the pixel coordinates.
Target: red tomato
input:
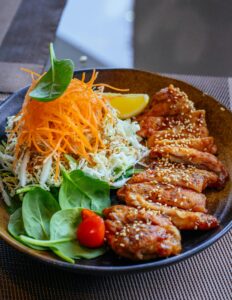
(91, 231)
(86, 213)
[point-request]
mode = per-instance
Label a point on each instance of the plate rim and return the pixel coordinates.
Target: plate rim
(146, 265)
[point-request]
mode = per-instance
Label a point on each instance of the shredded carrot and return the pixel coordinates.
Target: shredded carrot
(83, 77)
(110, 87)
(70, 124)
(30, 72)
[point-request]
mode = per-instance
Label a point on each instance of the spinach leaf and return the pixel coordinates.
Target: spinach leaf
(64, 224)
(38, 208)
(15, 204)
(63, 242)
(15, 225)
(63, 256)
(42, 243)
(73, 250)
(26, 189)
(16, 228)
(81, 190)
(54, 190)
(54, 83)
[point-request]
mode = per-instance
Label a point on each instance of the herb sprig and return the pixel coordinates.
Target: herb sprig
(54, 83)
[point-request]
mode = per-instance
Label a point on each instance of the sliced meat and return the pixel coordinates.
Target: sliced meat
(177, 174)
(205, 144)
(167, 102)
(166, 194)
(138, 234)
(175, 127)
(175, 134)
(149, 125)
(182, 219)
(201, 160)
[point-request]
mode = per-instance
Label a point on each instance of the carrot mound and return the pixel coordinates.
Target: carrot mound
(70, 124)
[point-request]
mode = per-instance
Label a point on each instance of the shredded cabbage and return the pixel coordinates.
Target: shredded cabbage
(122, 151)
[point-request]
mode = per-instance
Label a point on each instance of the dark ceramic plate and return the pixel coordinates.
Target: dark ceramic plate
(219, 203)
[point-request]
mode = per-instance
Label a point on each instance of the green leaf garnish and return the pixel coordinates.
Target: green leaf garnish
(82, 190)
(37, 209)
(54, 83)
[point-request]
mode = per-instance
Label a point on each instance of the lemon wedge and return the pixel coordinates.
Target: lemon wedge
(127, 105)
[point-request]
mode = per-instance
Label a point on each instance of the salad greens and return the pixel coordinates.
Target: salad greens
(64, 224)
(81, 190)
(54, 83)
(63, 227)
(42, 223)
(16, 226)
(73, 250)
(37, 209)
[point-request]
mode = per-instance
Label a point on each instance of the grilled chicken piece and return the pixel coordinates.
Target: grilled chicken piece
(205, 144)
(192, 124)
(177, 174)
(149, 125)
(140, 234)
(177, 134)
(190, 156)
(168, 101)
(182, 219)
(166, 194)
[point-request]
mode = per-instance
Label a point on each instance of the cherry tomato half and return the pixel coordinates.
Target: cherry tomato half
(86, 213)
(91, 231)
